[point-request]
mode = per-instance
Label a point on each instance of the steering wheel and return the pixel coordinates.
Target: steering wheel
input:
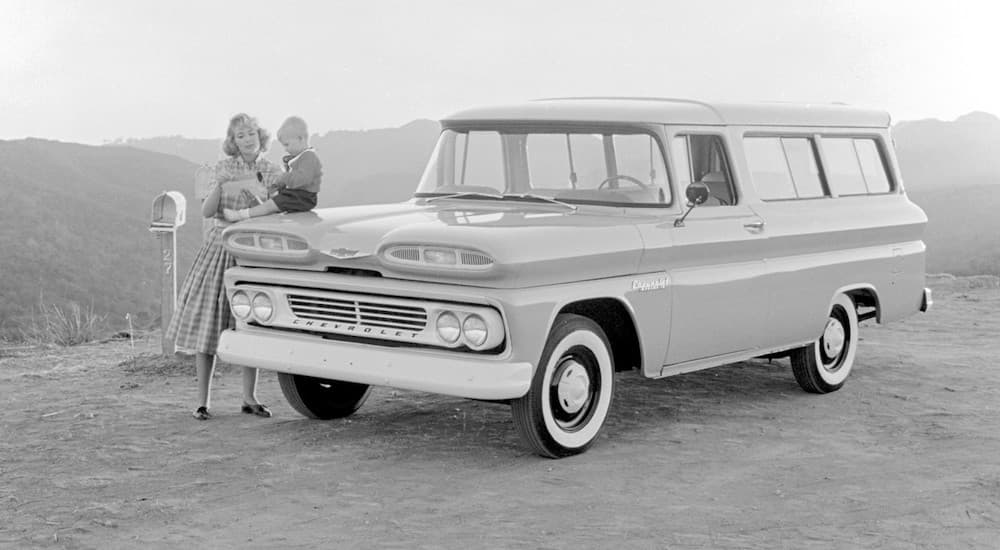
(629, 179)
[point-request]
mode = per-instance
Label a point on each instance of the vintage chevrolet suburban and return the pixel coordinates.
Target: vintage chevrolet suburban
(551, 244)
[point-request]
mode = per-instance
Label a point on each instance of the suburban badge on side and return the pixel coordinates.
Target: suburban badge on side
(651, 283)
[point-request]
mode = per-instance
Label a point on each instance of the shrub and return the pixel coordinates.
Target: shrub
(68, 325)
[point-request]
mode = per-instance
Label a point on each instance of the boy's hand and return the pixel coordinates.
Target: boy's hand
(235, 215)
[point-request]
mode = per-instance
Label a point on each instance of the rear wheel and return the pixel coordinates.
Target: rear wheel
(823, 366)
(320, 398)
(571, 391)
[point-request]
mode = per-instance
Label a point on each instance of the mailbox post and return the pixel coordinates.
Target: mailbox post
(168, 214)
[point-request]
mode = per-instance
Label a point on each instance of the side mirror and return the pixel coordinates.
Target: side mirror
(696, 193)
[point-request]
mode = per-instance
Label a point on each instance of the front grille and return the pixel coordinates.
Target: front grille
(365, 313)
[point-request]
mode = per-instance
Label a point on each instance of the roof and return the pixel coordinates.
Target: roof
(677, 111)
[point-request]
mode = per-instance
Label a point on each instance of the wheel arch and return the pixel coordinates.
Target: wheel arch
(863, 295)
(618, 324)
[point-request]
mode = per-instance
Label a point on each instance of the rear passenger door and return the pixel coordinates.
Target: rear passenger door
(714, 260)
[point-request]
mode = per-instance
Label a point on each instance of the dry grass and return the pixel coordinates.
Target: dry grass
(67, 325)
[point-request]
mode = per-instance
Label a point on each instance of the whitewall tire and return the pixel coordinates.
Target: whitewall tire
(571, 390)
(823, 366)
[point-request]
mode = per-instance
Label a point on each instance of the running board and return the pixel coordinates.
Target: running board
(718, 360)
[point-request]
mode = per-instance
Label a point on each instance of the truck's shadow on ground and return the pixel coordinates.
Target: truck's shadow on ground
(400, 422)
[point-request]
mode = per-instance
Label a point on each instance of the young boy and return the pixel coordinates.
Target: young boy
(299, 185)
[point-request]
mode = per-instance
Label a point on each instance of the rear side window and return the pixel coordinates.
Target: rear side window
(801, 154)
(854, 166)
(783, 168)
(768, 168)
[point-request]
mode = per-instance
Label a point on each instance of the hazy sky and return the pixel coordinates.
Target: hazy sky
(96, 70)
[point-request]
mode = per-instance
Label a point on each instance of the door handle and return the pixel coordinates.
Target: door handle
(754, 227)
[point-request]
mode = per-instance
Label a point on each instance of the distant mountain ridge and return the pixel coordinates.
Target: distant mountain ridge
(934, 154)
(74, 219)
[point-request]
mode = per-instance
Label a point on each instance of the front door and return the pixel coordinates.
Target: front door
(715, 259)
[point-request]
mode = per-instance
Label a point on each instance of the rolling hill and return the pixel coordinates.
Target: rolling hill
(73, 227)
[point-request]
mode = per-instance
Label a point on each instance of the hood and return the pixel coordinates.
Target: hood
(531, 244)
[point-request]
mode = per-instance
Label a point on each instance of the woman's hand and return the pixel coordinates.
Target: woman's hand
(236, 186)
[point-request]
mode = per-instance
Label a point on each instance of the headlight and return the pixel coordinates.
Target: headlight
(240, 304)
(449, 328)
(474, 328)
(271, 242)
(262, 308)
(440, 256)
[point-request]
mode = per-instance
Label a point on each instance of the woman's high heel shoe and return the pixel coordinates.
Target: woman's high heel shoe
(257, 409)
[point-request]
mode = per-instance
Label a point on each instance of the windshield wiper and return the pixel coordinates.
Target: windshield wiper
(505, 196)
(540, 198)
(467, 195)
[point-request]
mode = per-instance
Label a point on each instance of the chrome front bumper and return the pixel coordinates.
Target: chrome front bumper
(449, 373)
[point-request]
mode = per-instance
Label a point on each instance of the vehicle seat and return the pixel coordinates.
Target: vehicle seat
(719, 189)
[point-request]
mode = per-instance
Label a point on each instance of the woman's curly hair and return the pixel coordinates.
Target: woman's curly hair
(229, 146)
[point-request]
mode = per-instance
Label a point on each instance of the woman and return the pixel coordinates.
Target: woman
(202, 307)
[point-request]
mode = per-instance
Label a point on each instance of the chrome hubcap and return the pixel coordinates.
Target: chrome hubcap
(573, 387)
(833, 338)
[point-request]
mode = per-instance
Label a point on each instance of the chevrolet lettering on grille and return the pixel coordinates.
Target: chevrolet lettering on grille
(357, 330)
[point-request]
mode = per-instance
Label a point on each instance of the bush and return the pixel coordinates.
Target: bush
(68, 325)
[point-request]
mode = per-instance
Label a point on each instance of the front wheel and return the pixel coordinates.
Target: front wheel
(823, 366)
(320, 398)
(571, 390)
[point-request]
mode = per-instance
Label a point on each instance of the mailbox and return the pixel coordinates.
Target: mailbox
(168, 213)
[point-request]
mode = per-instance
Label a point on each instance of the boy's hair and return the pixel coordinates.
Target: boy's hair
(229, 146)
(294, 126)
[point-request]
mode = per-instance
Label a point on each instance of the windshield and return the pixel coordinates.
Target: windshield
(579, 166)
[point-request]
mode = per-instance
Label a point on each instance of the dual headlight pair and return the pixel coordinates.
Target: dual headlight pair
(252, 304)
(472, 329)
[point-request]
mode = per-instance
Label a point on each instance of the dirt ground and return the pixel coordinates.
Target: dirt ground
(98, 450)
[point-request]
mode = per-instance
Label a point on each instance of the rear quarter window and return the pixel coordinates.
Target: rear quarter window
(854, 166)
(872, 166)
